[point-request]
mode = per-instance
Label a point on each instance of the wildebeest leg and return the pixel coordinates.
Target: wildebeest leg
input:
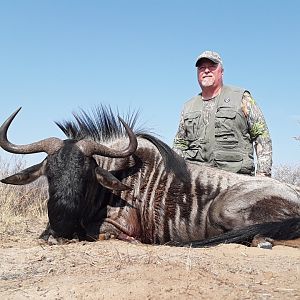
(127, 238)
(290, 243)
(90, 232)
(221, 217)
(260, 241)
(48, 236)
(46, 233)
(123, 225)
(251, 203)
(125, 233)
(93, 234)
(121, 236)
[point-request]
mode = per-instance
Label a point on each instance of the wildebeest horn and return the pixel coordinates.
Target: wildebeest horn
(49, 145)
(90, 148)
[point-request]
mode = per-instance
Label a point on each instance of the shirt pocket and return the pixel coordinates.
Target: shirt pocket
(228, 161)
(191, 124)
(224, 127)
(226, 140)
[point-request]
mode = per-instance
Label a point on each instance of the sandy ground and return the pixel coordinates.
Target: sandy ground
(119, 270)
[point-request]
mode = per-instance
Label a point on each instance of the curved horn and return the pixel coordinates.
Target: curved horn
(49, 145)
(90, 148)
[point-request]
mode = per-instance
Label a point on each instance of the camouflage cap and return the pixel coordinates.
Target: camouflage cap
(211, 55)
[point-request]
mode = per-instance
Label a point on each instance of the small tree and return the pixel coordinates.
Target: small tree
(287, 173)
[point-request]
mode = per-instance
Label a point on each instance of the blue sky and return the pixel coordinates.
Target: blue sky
(58, 56)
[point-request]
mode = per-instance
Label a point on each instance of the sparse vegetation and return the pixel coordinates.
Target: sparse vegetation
(287, 173)
(20, 201)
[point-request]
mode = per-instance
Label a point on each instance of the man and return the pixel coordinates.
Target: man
(223, 125)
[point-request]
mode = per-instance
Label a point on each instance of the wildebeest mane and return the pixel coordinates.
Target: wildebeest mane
(102, 125)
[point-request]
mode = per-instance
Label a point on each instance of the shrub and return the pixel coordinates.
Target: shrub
(287, 173)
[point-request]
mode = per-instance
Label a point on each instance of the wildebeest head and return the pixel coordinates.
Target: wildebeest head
(72, 173)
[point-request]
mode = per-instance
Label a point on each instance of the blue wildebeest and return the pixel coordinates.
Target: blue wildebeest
(142, 190)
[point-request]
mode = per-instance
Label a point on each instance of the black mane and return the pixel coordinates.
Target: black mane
(102, 125)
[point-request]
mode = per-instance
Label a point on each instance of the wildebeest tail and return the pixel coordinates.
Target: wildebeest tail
(288, 229)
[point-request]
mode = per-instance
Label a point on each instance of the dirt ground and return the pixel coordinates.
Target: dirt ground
(119, 270)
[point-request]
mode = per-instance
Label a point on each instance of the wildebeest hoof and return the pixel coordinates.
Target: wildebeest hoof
(52, 241)
(106, 236)
(262, 242)
(265, 245)
(60, 241)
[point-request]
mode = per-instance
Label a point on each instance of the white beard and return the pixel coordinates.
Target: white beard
(208, 81)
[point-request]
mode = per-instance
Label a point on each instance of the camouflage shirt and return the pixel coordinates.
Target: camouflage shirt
(258, 131)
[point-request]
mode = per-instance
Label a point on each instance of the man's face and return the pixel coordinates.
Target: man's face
(210, 74)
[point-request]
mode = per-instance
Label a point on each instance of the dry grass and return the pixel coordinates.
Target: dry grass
(17, 202)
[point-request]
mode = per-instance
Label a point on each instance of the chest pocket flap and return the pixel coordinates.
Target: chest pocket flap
(225, 120)
(227, 113)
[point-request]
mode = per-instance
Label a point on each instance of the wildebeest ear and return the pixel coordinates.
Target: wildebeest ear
(109, 181)
(26, 176)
